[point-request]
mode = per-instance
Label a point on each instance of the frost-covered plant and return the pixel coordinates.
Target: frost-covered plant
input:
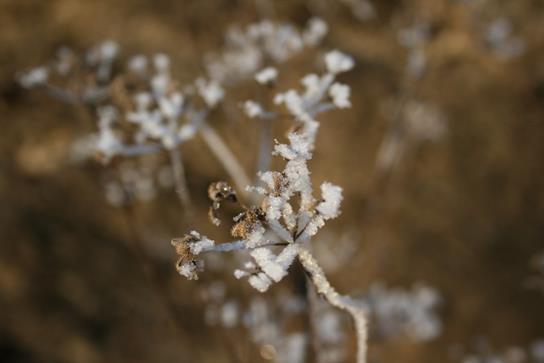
(140, 108)
(279, 229)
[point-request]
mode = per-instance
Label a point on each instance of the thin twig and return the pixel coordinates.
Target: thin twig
(345, 303)
(311, 298)
(182, 191)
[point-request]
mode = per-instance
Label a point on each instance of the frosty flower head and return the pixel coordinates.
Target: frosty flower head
(288, 216)
(248, 48)
(338, 62)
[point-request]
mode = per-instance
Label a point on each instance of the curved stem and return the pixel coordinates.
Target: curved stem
(345, 303)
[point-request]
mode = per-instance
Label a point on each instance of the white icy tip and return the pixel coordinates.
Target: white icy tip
(267, 75)
(338, 62)
(332, 197)
(252, 109)
(340, 95)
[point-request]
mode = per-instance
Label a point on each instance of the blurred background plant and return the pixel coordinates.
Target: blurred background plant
(439, 158)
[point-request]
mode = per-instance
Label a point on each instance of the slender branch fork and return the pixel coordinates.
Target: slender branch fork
(325, 289)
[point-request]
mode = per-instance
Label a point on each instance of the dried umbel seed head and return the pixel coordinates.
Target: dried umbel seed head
(246, 221)
(187, 264)
(218, 192)
(181, 245)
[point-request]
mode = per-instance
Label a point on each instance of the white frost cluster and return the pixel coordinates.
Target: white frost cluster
(340, 95)
(99, 60)
(202, 244)
(267, 75)
(247, 49)
(338, 62)
(163, 116)
(304, 106)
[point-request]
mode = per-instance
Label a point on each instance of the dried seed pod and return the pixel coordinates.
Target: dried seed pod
(181, 245)
(246, 221)
(218, 192)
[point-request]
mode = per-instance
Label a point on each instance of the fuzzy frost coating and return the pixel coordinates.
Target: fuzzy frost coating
(267, 75)
(340, 95)
(338, 62)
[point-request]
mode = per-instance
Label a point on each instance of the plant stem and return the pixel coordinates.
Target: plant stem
(181, 181)
(324, 288)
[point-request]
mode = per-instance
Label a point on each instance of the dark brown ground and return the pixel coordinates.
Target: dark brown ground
(464, 215)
